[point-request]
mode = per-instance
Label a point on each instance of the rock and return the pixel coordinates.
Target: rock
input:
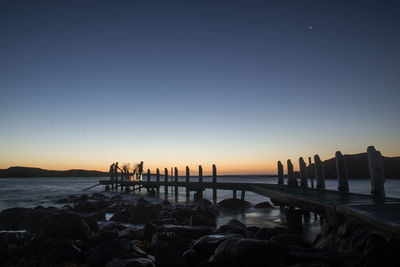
(197, 219)
(91, 206)
(165, 236)
(167, 255)
(64, 250)
(189, 232)
(233, 226)
(92, 223)
(233, 203)
(191, 258)
(267, 233)
(263, 205)
(206, 245)
(240, 252)
(131, 262)
(311, 263)
(149, 230)
(101, 254)
(50, 222)
(138, 214)
(203, 203)
(14, 238)
(290, 240)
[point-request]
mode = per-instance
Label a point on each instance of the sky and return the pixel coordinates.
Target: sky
(239, 84)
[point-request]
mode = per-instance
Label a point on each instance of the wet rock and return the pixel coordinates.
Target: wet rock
(101, 254)
(206, 245)
(92, 223)
(233, 203)
(163, 236)
(91, 206)
(15, 238)
(167, 255)
(197, 219)
(289, 240)
(138, 214)
(233, 226)
(263, 205)
(149, 230)
(191, 258)
(50, 222)
(63, 250)
(203, 203)
(240, 252)
(190, 232)
(131, 262)
(311, 263)
(267, 233)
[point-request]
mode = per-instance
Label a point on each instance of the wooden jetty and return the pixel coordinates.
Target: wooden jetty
(375, 209)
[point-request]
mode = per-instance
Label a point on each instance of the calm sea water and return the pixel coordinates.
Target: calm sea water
(31, 192)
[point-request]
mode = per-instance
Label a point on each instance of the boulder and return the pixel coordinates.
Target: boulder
(101, 254)
(233, 203)
(233, 226)
(241, 252)
(206, 245)
(263, 205)
(167, 255)
(131, 262)
(15, 238)
(191, 258)
(185, 231)
(197, 219)
(290, 240)
(267, 233)
(63, 250)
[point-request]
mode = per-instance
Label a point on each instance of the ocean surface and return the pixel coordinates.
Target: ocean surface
(31, 192)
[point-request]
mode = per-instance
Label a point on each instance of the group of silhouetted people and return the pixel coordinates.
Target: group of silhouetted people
(124, 172)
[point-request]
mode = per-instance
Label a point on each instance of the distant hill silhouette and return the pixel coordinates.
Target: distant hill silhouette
(21, 172)
(357, 166)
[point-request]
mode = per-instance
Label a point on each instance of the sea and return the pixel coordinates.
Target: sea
(31, 192)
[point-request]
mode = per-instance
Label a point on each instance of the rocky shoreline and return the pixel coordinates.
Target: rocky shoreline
(174, 234)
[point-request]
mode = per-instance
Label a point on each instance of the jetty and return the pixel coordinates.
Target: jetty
(375, 209)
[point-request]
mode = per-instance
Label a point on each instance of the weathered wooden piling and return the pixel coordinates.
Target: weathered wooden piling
(158, 180)
(303, 173)
(319, 172)
(148, 179)
(176, 182)
(214, 180)
(291, 179)
(200, 192)
(376, 172)
(242, 195)
(166, 181)
(311, 178)
(234, 194)
(280, 173)
(341, 172)
(187, 182)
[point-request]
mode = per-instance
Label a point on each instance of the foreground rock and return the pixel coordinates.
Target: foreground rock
(234, 204)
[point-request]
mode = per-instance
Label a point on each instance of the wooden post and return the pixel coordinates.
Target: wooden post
(122, 178)
(166, 181)
(341, 172)
(242, 195)
(376, 172)
(303, 173)
(176, 181)
(280, 173)
(291, 179)
(312, 179)
(172, 178)
(201, 182)
(234, 194)
(148, 179)
(158, 180)
(187, 182)
(214, 180)
(319, 172)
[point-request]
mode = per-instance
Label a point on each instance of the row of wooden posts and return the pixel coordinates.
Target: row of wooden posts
(375, 165)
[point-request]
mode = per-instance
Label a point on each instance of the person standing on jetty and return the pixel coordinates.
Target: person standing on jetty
(140, 170)
(112, 175)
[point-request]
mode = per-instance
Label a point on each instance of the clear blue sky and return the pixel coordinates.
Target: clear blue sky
(238, 83)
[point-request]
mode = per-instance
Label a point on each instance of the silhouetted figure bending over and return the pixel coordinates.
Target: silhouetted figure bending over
(116, 168)
(112, 172)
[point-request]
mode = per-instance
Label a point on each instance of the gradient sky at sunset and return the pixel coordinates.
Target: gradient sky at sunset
(241, 84)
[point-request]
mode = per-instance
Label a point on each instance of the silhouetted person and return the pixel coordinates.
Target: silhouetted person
(112, 172)
(116, 168)
(140, 170)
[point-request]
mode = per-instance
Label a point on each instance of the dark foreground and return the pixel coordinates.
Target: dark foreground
(176, 235)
